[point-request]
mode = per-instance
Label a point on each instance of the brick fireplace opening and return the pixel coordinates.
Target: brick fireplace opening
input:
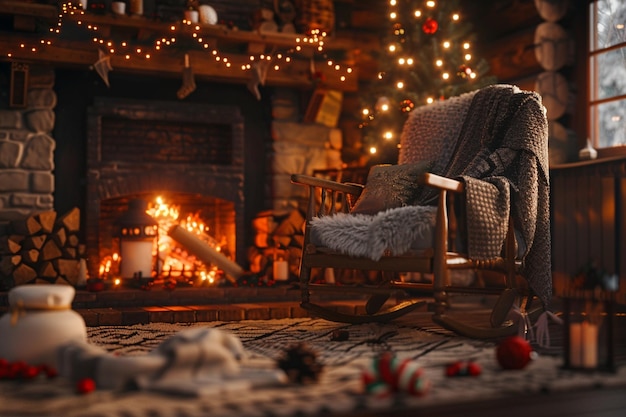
(189, 154)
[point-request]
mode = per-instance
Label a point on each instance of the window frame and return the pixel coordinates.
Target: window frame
(592, 101)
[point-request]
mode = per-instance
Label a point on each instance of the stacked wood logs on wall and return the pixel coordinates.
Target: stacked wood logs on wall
(278, 235)
(41, 248)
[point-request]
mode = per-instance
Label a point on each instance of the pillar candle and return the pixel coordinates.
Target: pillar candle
(136, 7)
(575, 344)
(589, 334)
(329, 275)
(281, 270)
(136, 257)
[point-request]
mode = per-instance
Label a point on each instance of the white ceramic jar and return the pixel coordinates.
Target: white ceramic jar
(40, 320)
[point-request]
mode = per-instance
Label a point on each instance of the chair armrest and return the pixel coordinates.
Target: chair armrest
(354, 189)
(440, 182)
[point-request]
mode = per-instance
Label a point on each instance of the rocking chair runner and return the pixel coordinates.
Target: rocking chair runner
(486, 150)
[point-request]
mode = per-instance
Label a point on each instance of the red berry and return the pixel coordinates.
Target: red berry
(49, 371)
(514, 353)
(85, 386)
(29, 372)
(453, 369)
(473, 369)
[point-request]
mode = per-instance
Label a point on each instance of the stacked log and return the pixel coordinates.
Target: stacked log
(278, 235)
(41, 248)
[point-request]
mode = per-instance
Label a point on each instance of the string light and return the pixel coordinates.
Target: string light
(316, 39)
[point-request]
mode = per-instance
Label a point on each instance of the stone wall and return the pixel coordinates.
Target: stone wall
(297, 148)
(27, 150)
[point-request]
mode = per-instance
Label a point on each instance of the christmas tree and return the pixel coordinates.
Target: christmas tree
(426, 56)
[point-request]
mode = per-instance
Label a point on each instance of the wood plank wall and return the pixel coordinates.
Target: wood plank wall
(589, 220)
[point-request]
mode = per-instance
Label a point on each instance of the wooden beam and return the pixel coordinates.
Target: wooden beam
(84, 52)
(297, 73)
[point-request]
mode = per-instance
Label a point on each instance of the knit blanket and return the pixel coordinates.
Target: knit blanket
(499, 141)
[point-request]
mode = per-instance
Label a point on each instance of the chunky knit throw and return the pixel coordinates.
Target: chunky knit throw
(499, 138)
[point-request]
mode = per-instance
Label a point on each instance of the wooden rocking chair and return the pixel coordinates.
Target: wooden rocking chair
(515, 128)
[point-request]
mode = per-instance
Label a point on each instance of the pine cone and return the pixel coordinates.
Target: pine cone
(300, 364)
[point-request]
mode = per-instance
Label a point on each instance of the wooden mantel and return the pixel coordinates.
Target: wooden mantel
(83, 52)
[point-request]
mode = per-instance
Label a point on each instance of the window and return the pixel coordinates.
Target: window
(607, 63)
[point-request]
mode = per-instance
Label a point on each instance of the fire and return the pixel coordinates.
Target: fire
(173, 261)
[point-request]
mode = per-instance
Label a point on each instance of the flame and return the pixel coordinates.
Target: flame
(174, 261)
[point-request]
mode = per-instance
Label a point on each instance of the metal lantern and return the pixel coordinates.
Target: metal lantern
(137, 232)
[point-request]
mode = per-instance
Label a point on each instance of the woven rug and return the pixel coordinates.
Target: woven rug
(339, 390)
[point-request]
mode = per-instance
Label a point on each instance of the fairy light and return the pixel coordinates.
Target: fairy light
(125, 48)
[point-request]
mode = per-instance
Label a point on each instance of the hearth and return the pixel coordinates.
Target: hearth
(191, 155)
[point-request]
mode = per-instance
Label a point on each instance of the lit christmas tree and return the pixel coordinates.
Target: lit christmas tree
(427, 56)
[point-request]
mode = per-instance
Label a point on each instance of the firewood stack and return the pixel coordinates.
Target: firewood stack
(41, 248)
(279, 235)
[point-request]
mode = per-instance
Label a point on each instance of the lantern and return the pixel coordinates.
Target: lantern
(137, 232)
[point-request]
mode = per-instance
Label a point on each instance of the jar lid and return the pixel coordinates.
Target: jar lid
(42, 296)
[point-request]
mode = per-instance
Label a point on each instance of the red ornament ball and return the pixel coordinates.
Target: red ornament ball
(514, 353)
(85, 386)
(406, 106)
(430, 26)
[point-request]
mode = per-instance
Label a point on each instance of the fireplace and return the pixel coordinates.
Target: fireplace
(189, 154)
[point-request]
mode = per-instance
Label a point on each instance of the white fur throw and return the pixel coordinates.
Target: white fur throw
(396, 230)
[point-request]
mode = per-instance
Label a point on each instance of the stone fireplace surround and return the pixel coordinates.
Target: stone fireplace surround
(30, 148)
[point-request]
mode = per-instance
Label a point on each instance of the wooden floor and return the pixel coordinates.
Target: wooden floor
(606, 402)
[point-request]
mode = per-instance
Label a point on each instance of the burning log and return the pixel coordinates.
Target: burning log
(42, 248)
(205, 252)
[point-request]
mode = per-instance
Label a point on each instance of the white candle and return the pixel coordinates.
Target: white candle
(589, 345)
(329, 275)
(575, 344)
(204, 252)
(136, 257)
(281, 270)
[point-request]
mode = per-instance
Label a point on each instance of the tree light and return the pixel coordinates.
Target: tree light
(373, 150)
(400, 84)
(388, 135)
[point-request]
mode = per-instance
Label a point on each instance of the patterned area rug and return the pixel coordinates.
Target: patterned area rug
(339, 391)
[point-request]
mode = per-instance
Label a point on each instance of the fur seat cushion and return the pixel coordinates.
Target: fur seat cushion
(396, 230)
